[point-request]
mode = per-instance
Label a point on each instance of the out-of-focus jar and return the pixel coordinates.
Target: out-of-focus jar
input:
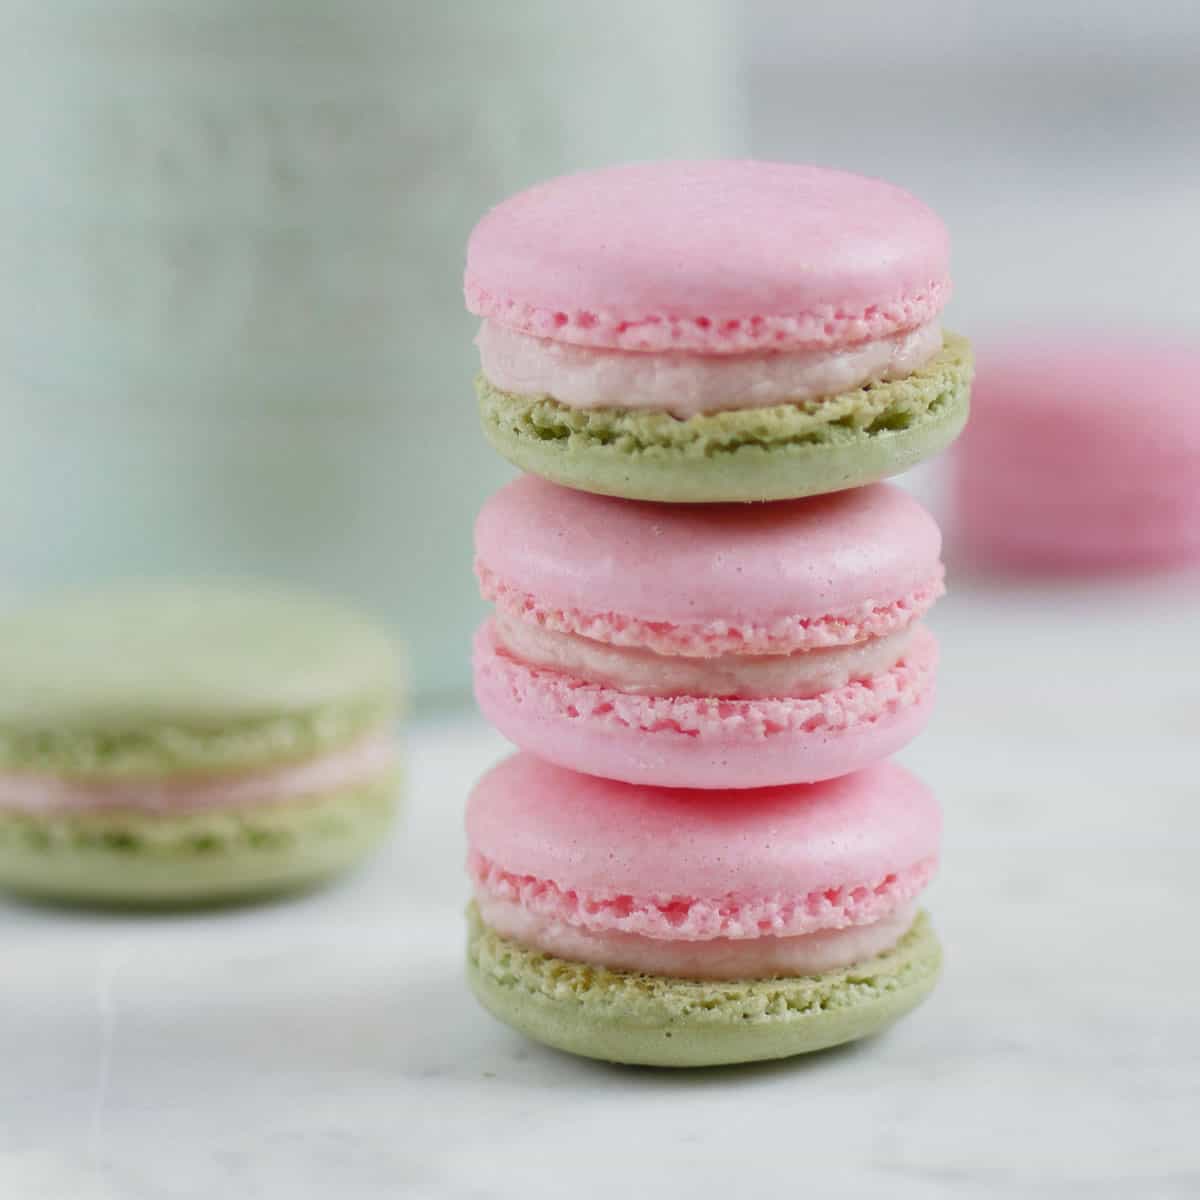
(231, 329)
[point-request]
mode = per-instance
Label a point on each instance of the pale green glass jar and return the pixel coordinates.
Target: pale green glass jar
(231, 240)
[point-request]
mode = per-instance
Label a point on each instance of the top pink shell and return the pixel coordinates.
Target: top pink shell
(716, 257)
(699, 579)
(1086, 406)
(597, 836)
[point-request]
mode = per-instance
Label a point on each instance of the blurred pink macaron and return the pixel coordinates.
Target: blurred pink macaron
(1082, 453)
(723, 646)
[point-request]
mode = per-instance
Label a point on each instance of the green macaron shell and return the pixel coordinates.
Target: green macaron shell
(135, 858)
(149, 680)
(629, 1017)
(782, 452)
(161, 749)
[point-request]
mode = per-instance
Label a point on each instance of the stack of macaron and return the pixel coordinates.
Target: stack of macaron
(700, 853)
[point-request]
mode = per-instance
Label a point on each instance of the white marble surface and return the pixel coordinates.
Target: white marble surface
(327, 1046)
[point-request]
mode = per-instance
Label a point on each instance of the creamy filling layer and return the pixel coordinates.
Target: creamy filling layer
(641, 672)
(46, 794)
(686, 384)
(715, 958)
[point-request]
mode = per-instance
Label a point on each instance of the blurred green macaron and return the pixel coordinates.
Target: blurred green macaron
(181, 743)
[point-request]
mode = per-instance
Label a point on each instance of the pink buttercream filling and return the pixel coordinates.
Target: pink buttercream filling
(717, 958)
(354, 764)
(712, 639)
(698, 919)
(856, 703)
(686, 384)
(642, 672)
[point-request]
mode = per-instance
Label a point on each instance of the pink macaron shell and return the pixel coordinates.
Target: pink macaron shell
(711, 639)
(1114, 396)
(1083, 451)
(596, 837)
(671, 917)
(1008, 527)
(698, 742)
(719, 256)
(717, 566)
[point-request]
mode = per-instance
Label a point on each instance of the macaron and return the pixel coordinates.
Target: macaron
(688, 929)
(715, 331)
(177, 743)
(707, 646)
(1084, 453)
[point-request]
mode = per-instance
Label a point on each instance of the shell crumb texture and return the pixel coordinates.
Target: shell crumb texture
(857, 704)
(713, 638)
(727, 916)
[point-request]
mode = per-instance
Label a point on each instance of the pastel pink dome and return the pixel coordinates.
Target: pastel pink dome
(673, 863)
(719, 257)
(793, 574)
(1082, 450)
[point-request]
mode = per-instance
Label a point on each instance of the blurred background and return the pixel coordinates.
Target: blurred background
(231, 324)
(232, 340)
